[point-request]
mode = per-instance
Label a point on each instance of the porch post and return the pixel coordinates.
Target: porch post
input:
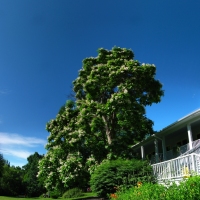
(142, 152)
(189, 135)
(156, 150)
(164, 148)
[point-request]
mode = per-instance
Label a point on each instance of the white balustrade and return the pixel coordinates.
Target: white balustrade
(177, 168)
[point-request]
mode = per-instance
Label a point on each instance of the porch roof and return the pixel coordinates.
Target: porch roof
(184, 121)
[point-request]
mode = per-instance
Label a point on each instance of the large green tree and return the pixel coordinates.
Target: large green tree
(34, 187)
(107, 118)
(112, 91)
(2, 162)
(11, 183)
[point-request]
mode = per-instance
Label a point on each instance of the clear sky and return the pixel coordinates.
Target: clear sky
(43, 43)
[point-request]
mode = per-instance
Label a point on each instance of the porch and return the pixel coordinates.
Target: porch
(178, 168)
(171, 142)
(178, 151)
(173, 152)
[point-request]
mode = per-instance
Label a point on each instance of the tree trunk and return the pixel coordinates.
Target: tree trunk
(108, 131)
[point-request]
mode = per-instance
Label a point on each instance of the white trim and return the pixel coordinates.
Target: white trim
(142, 152)
(189, 135)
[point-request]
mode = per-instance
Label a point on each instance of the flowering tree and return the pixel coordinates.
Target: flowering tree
(107, 118)
(64, 160)
(112, 91)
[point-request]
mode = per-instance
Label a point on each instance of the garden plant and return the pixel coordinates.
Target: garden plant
(113, 175)
(188, 189)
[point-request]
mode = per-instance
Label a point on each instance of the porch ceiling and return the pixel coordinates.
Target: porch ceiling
(193, 119)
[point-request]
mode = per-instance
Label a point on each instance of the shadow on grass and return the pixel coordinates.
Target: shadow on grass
(87, 198)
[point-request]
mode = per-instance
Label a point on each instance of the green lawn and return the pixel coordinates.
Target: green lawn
(86, 195)
(16, 198)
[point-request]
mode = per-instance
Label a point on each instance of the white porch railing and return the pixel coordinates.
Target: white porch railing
(177, 168)
(195, 143)
(184, 148)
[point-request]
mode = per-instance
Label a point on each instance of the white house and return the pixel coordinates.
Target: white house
(174, 152)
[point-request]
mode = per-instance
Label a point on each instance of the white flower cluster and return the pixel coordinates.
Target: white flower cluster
(80, 133)
(124, 68)
(73, 140)
(112, 73)
(125, 91)
(92, 164)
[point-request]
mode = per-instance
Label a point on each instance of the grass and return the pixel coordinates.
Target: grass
(16, 198)
(85, 196)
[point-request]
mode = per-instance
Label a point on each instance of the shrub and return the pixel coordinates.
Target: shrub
(73, 193)
(55, 194)
(144, 192)
(188, 189)
(114, 174)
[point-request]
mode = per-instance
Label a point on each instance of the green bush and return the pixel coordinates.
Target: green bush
(145, 192)
(73, 193)
(114, 174)
(188, 189)
(55, 194)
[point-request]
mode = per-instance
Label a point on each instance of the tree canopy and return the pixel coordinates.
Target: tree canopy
(106, 119)
(2, 161)
(34, 187)
(16, 181)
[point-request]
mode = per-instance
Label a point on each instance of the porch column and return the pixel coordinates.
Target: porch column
(156, 150)
(189, 135)
(142, 152)
(164, 148)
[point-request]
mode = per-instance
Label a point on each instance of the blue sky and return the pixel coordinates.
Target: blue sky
(43, 43)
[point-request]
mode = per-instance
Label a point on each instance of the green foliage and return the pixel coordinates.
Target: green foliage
(34, 187)
(188, 189)
(114, 174)
(106, 119)
(72, 193)
(21, 181)
(63, 165)
(55, 194)
(2, 162)
(144, 192)
(11, 183)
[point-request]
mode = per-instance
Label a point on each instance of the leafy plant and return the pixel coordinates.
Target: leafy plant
(34, 187)
(55, 194)
(72, 193)
(113, 175)
(188, 189)
(2, 161)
